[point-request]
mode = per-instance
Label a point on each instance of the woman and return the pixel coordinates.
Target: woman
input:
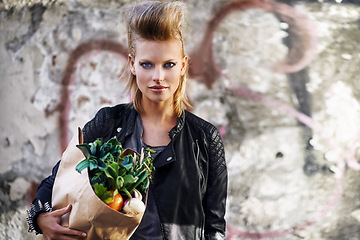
(187, 195)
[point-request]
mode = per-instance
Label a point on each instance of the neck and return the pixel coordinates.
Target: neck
(158, 112)
(158, 119)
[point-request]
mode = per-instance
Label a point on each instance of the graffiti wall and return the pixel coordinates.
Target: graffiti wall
(278, 78)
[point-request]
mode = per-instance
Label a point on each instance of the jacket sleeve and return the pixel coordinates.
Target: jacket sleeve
(44, 192)
(42, 202)
(216, 193)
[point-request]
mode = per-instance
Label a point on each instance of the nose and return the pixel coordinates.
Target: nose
(158, 74)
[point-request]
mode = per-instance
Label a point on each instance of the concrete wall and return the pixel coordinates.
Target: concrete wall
(279, 79)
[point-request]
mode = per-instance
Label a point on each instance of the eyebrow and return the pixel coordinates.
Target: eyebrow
(145, 60)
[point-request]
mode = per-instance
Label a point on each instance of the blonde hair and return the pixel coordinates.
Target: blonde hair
(159, 22)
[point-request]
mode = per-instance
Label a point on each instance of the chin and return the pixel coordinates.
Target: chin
(159, 100)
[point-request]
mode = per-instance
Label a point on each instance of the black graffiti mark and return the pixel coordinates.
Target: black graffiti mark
(297, 82)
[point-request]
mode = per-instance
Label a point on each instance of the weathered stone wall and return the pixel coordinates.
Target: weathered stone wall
(279, 79)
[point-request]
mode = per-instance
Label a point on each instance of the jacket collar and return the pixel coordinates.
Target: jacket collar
(131, 120)
(179, 126)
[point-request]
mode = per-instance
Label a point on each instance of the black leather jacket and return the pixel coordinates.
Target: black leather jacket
(190, 177)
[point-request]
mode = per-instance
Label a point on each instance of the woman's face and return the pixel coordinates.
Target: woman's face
(158, 66)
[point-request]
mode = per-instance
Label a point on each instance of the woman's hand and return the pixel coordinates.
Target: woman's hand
(49, 223)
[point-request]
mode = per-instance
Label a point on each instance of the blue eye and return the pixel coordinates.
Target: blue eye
(169, 65)
(146, 65)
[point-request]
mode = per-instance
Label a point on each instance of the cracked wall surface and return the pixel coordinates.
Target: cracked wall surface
(278, 78)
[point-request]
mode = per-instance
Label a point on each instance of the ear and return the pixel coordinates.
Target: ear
(184, 64)
(131, 64)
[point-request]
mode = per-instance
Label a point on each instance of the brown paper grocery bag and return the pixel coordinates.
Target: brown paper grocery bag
(88, 213)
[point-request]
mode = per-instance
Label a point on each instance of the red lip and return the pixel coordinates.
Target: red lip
(158, 88)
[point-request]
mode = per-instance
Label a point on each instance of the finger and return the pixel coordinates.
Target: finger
(66, 237)
(63, 233)
(74, 233)
(62, 211)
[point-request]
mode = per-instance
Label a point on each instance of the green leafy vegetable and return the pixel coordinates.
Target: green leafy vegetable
(110, 171)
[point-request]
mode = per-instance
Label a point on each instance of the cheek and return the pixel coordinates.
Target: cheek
(175, 82)
(141, 76)
(141, 81)
(176, 77)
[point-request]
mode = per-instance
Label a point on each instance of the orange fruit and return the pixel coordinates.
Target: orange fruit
(117, 203)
